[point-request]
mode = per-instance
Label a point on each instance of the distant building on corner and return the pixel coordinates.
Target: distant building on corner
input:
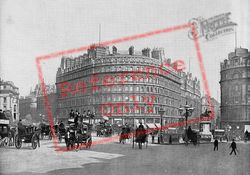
(235, 92)
(9, 99)
(34, 103)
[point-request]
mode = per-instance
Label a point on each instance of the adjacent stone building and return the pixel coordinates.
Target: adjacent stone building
(9, 99)
(235, 92)
(191, 94)
(33, 104)
(52, 99)
(28, 106)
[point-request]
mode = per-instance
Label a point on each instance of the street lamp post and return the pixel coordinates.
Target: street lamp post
(133, 133)
(187, 112)
(161, 112)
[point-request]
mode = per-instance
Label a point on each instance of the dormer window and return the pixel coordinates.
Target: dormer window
(235, 62)
(236, 75)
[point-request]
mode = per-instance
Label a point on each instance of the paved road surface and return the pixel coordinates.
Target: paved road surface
(119, 159)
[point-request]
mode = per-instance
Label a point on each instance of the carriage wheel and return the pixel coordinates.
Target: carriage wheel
(1, 141)
(34, 141)
(5, 142)
(18, 142)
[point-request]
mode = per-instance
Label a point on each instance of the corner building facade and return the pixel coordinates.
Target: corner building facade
(235, 92)
(191, 93)
(9, 99)
(121, 86)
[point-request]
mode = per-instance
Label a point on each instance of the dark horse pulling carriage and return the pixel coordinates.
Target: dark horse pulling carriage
(60, 131)
(192, 136)
(125, 133)
(83, 135)
(45, 131)
(78, 133)
(58, 128)
(27, 134)
(141, 136)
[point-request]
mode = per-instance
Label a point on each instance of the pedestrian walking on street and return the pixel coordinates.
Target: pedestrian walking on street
(234, 147)
(170, 140)
(216, 144)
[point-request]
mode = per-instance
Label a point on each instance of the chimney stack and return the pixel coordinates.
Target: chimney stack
(131, 50)
(114, 50)
(146, 52)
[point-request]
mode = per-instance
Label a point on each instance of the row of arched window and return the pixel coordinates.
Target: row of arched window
(236, 75)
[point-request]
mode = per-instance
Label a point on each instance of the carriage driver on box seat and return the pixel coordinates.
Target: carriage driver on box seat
(71, 114)
(141, 126)
(21, 127)
(61, 125)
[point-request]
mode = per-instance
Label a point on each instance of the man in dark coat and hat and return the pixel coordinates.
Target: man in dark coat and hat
(234, 147)
(216, 143)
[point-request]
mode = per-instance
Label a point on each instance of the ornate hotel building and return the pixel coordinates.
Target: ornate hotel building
(235, 92)
(121, 86)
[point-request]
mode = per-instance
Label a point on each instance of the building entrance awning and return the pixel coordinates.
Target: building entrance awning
(172, 128)
(247, 128)
(151, 125)
(3, 121)
(158, 125)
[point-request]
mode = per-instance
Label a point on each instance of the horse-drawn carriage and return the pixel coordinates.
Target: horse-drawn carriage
(45, 131)
(27, 134)
(117, 128)
(104, 129)
(192, 136)
(83, 135)
(4, 129)
(246, 136)
(78, 133)
(60, 131)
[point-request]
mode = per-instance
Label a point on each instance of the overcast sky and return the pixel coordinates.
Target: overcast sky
(30, 28)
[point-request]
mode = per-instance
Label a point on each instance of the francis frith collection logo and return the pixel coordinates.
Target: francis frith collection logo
(213, 27)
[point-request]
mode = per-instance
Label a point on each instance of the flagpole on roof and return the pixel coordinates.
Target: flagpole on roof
(99, 34)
